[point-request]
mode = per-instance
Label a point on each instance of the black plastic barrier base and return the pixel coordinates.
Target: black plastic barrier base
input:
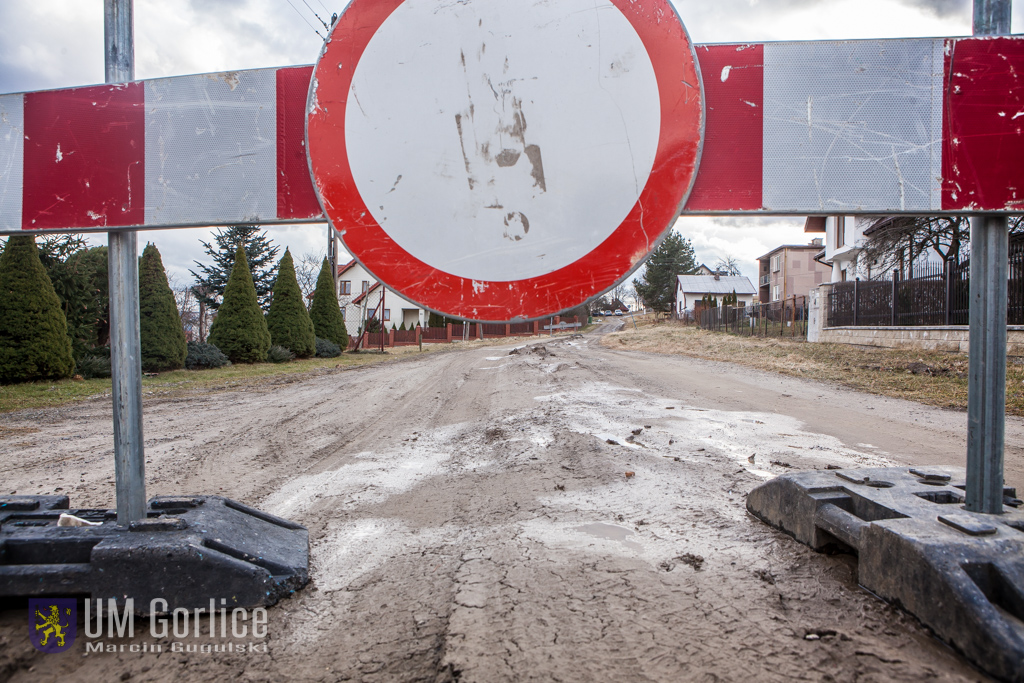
(189, 550)
(959, 572)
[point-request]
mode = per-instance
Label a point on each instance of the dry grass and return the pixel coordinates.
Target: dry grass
(934, 378)
(234, 377)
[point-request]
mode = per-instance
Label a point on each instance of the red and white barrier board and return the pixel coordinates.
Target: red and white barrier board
(211, 149)
(877, 127)
(918, 126)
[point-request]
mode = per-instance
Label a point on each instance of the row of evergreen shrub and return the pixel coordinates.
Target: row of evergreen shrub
(35, 344)
(242, 332)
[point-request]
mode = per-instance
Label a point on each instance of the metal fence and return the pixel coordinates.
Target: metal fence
(934, 294)
(785, 318)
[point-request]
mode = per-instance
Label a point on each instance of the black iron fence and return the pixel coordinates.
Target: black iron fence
(934, 294)
(785, 318)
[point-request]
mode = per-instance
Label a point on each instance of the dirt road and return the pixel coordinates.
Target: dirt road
(471, 519)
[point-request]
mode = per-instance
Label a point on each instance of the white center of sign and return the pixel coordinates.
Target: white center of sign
(500, 144)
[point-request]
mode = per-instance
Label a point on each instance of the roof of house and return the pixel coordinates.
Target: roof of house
(707, 284)
(882, 224)
(342, 269)
(363, 295)
(789, 246)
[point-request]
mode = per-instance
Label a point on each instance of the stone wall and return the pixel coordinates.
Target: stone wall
(939, 338)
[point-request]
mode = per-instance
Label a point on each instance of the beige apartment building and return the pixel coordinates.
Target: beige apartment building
(791, 270)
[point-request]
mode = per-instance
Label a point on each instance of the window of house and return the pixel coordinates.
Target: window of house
(343, 313)
(840, 231)
(387, 314)
(346, 287)
(776, 263)
(776, 291)
(366, 285)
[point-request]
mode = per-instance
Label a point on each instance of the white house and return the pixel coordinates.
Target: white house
(690, 289)
(360, 294)
(844, 244)
(845, 241)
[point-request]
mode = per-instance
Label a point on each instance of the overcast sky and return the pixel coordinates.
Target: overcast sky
(58, 43)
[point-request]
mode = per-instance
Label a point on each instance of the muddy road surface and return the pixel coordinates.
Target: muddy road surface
(472, 517)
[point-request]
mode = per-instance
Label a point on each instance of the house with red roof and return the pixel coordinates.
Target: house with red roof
(362, 297)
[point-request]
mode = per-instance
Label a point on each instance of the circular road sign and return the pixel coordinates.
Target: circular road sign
(504, 160)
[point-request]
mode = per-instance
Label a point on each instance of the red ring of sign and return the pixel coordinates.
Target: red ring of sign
(675, 166)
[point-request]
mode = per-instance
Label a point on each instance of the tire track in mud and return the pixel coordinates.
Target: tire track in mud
(470, 519)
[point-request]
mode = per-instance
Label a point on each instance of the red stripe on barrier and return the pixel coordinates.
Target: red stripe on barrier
(729, 176)
(84, 157)
(983, 124)
(296, 197)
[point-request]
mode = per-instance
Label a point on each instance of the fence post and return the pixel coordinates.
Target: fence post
(895, 280)
(536, 328)
(947, 270)
(856, 301)
(419, 336)
(448, 331)
(391, 337)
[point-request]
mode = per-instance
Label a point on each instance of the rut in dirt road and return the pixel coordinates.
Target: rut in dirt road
(471, 519)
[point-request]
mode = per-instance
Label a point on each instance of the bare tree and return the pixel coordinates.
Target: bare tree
(896, 243)
(188, 307)
(728, 264)
(307, 269)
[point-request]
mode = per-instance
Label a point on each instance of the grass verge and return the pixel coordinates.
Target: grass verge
(930, 377)
(260, 375)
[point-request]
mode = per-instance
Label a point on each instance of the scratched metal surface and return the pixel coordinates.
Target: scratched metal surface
(12, 147)
(853, 126)
(846, 160)
(495, 178)
(499, 169)
(211, 146)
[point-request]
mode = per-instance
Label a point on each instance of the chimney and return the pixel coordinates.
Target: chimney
(718, 276)
(816, 242)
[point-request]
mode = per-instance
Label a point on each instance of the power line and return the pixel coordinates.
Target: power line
(316, 15)
(303, 17)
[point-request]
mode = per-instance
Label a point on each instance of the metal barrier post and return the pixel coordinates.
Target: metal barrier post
(125, 346)
(986, 388)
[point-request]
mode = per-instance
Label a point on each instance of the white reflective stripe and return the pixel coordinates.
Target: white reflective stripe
(938, 96)
(211, 148)
(12, 157)
(853, 125)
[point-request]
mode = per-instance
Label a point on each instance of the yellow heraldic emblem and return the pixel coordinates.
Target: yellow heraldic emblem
(53, 623)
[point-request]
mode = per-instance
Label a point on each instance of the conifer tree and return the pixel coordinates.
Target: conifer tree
(325, 313)
(161, 334)
(211, 280)
(34, 341)
(657, 285)
(288, 320)
(240, 330)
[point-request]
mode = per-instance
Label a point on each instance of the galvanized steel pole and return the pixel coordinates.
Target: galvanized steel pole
(986, 397)
(123, 260)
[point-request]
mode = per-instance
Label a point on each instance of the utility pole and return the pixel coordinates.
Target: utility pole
(986, 388)
(125, 348)
(332, 256)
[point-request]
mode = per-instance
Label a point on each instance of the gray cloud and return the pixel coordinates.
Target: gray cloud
(942, 8)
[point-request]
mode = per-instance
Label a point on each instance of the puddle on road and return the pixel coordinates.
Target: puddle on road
(612, 532)
(598, 409)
